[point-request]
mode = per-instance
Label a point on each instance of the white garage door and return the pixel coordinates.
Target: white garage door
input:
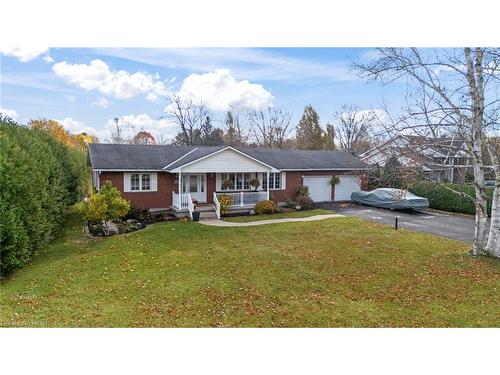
(320, 188)
(345, 187)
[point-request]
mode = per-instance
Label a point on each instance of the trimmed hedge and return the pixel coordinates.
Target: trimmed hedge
(39, 177)
(441, 198)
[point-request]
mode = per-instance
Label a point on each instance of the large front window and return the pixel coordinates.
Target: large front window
(274, 181)
(235, 181)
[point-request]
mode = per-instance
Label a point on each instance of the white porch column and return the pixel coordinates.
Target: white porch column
(267, 186)
(180, 191)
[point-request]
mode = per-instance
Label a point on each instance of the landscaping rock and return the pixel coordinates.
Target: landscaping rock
(132, 221)
(112, 228)
(252, 212)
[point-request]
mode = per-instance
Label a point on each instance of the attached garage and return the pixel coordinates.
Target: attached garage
(320, 188)
(345, 187)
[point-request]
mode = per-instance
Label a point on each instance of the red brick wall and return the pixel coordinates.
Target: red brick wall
(294, 180)
(166, 184)
(157, 199)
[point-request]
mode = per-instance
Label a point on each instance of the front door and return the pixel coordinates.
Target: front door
(196, 185)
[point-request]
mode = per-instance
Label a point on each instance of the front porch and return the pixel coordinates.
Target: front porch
(206, 188)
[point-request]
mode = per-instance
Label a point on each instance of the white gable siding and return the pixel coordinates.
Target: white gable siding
(226, 161)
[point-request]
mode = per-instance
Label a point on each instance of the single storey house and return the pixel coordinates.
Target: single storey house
(172, 177)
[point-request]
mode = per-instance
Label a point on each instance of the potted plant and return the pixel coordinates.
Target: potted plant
(255, 183)
(226, 184)
(196, 214)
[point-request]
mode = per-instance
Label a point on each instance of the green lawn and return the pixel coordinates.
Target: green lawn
(336, 272)
(281, 215)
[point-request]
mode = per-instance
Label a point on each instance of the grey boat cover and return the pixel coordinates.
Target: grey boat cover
(394, 199)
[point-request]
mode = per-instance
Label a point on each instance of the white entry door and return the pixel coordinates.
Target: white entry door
(346, 186)
(196, 185)
(320, 188)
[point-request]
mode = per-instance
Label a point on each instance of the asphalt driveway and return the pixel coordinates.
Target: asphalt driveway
(456, 227)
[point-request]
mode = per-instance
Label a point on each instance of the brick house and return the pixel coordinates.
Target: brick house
(172, 177)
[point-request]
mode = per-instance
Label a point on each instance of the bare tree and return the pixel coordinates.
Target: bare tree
(270, 127)
(235, 134)
(354, 128)
(456, 87)
(117, 134)
(189, 116)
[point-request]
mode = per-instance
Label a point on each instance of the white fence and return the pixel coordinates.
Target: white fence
(180, 201)
(245, 198)
(217, 205)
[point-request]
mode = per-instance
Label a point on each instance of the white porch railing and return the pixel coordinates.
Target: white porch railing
(217, 205)
(180, 201)
(245, 198)
(190, 206)
(183, 202)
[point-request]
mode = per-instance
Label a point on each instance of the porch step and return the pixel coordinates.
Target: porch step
(205, 215)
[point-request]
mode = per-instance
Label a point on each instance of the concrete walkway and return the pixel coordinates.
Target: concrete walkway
(222, 223)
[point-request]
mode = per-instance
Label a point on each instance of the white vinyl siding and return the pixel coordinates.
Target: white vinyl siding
(226, 161)
(140, 182)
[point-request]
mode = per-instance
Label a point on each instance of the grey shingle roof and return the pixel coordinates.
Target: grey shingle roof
(157, 157)
(118, 156)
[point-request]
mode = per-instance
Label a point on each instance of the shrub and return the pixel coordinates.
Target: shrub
(39, 177)
(302, 191)
(441, 198)
(225, 200)
(265, 207)
(107, 205)
(304, 202)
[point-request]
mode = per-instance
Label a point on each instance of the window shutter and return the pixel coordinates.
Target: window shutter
(283, 180)
(154, 181)
(126, 182)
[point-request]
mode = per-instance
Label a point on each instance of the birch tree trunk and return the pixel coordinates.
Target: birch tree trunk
(475, 80)
(493, 245)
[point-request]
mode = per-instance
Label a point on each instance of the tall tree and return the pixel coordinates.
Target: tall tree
(189, 116)
(309, 135)
(329, 138)
(235, 135)
(143, 138)
(354, 128)
(270, 127)
(117, 133)
(457, 85)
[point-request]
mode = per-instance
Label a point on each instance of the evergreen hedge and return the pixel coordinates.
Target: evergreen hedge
(441, 198)
(39, 177)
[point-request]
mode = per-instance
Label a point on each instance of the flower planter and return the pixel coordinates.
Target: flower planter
(196, 216)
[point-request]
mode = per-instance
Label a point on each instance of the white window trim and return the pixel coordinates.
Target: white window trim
(153, 182)
(282, 181)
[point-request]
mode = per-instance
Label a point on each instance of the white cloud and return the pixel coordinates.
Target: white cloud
(48, 59)
(98, 76)
(220, 91)
(9, 113)
(103, 103)
(76, 127)
(23, 54)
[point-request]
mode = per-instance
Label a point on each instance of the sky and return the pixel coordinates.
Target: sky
(85, 88)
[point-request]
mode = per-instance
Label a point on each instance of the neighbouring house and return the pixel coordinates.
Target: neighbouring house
(172, 177)
(444, 159)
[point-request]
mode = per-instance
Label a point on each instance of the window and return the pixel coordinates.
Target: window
(274, 181)
(146, 181)
(140, 182)
(235, 181)
(134, 182)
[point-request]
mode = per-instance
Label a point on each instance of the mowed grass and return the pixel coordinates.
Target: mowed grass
(281, 215)
(341, 272)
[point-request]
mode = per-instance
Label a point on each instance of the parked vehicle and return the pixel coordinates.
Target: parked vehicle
(394, 199)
